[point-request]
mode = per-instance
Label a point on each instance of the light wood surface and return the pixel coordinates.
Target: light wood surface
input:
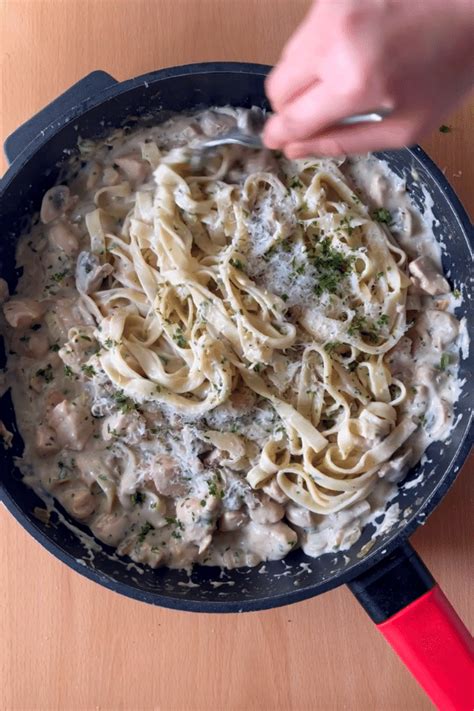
(66, 643)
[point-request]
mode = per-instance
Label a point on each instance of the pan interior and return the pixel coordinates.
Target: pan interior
(148, 100)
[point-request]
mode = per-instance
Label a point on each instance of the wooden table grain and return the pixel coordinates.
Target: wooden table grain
(67, 644)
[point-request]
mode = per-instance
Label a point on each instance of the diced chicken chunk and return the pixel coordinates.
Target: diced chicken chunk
(23, 313)
(197, 520)
(79, 502)
(61, 236)
(301, 517)
(441, 326)
(4, 293)
(45, 441)
(396, 469)
(55, 203)
(275, 492)
(90, 273)
(167, 478)
(110, 527)
(232, 520)
(427, 276)
(134, 168)
(72, 423)
(267, 511)
(37, 345)
(130, 427)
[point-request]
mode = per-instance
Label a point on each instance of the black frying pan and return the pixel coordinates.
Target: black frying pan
(389, 579)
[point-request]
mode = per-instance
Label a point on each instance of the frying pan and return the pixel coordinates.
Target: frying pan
(385, 573)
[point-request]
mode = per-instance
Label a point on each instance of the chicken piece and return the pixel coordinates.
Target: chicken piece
(197, 520)
(52, 398)
(427, 276)
(262, 162)
(90, 273)
(167, 477)
(135, 169)
(232, 520)
(4, 293)
(442, 328)
(79, 502)
(301, 517)
(400, 358)
(55, 203)
(130, 427)
(64, 315)
(270, 542)
(62, 237)
(37, 345)
(72, 423)
(110, 527)
(267, 511)
(396, 469)
(275, 492)
(5, 435)
(23, 313)
(213, 123)
(45, 441)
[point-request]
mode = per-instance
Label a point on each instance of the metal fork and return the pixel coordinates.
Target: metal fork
(251, 135)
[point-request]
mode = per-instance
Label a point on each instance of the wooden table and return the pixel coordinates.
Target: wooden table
(66, 643)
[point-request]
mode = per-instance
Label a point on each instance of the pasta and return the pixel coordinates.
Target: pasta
(227, 347)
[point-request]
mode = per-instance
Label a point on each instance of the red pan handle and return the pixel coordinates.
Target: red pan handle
(417, 620)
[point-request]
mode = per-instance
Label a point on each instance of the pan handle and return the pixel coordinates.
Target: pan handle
(417, 620)
(47, 119)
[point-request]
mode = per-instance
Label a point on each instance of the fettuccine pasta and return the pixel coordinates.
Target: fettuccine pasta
(224, 357)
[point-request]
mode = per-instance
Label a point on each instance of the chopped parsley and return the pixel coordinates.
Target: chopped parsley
(55, 347)
(284, 297)
(445, 360)
(445, 129)
(382, 320)
(46, 373)
(295, 183)
(257, 367)
(68, 371)
(331, 266)
(457, 294)
(382, 215)
(124, 403)
(137, 498)
(360, 326)
(237, 263)
(144, 531)
(59, 276)
(179, 338)
(88, 370)
(331, 346)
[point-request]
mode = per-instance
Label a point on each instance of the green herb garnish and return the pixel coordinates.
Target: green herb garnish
(179, 338)
(445, 360)
(144, 531)
(382, 215)
(46, 373)
(444, 128)
(331, 266)
(137, 498)
(124, 403)
(88, 370)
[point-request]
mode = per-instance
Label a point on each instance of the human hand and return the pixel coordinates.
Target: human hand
(413, 57)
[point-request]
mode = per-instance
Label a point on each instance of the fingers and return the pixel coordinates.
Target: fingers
(308, 114)
(392, 133)
(296, 70)
(287, 81)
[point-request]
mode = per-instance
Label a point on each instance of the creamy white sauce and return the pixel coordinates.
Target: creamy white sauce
(171, 514)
